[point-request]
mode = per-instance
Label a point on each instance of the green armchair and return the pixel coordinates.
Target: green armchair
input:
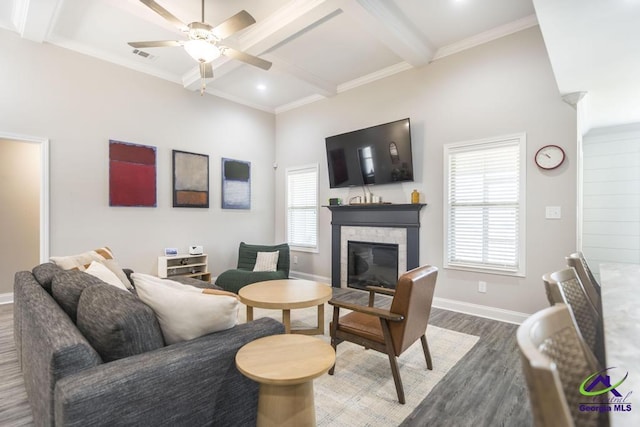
(234, 280)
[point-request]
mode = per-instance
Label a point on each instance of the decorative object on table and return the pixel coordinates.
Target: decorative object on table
(170, 251)
(415, 196)
(335, 201)
(549, 157)
(190, 180)
(195, 250)
(233, 280)
(132, 174)
(236, 184)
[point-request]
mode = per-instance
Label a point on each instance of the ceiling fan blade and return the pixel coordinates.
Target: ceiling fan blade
(234, 24)
(245, 57)
(163, 43)
(165, 14)
(206, 70)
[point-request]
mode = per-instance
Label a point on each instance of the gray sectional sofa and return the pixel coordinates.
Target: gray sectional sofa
(92, 354)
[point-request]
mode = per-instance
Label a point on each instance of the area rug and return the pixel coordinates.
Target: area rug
(361, 392)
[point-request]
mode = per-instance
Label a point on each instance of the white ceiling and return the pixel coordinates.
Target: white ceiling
(593, 46)
(318, 47)
(323, 47)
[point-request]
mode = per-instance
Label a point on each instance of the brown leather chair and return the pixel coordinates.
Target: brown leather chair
(390, 331)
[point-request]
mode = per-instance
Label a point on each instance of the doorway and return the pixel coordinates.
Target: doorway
(24, 211)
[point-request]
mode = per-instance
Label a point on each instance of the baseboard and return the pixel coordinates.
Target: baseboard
(6, 298)
(307, 276)
(485, 311)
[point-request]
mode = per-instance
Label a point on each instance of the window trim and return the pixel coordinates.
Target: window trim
(288, 171)
(474, 145)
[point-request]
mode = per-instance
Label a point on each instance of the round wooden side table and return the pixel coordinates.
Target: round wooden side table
(285, 366)
(287, 295)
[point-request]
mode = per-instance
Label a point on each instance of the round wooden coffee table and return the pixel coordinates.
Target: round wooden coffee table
(286, 295)
(285, 366)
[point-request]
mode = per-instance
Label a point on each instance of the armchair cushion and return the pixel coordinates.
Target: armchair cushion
(234, 280)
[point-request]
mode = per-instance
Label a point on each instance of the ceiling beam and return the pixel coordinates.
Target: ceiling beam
(386, 22)
(34, 18)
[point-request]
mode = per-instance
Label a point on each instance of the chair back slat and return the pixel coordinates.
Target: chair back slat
(591, 285)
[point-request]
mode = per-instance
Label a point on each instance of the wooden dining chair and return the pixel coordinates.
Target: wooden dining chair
(555, 361)
(394, 330)
(564, 287)
(591, 285)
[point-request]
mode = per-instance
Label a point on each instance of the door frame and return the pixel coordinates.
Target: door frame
(44, 187)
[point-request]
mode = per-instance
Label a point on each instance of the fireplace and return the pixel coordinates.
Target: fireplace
(387, 224)
(372, 264)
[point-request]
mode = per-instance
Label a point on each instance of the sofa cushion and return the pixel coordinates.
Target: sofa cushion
(44, 274)
(185, 312)
(117, 323)
(67, 286)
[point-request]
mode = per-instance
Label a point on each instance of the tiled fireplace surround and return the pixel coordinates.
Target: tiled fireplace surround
(391, 223)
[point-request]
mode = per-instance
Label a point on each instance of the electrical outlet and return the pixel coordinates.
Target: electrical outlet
(295, 259)
(482, 287)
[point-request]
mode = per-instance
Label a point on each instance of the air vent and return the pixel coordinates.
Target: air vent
(143, 54)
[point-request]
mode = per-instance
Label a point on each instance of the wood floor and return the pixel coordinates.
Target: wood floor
(486, 388)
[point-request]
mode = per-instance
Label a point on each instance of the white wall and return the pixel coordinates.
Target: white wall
(19, 209)
(79, 103)
(611, 195)
(499, 88)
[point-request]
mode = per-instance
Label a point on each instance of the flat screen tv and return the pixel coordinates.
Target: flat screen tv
(376, 155)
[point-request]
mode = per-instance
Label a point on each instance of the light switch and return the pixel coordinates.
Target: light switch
(553, 212)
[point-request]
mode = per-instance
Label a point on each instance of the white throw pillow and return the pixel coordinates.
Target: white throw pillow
(183, 311)
(266, 261)
(82, 261)
(101, 271)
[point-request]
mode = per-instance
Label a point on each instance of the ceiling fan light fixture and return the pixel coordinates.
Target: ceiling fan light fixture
(202, 50)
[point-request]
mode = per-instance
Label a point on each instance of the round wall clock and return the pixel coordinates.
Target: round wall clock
(549, 157)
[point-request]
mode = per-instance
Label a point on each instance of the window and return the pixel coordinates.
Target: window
(485, 205)
(302, 207)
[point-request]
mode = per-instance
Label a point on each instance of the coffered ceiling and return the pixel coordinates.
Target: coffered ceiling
(318, 47)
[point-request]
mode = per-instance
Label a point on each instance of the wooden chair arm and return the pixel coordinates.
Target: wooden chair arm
(373, 311)
(380, 290)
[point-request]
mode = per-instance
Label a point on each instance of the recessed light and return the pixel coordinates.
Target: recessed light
(261, 87)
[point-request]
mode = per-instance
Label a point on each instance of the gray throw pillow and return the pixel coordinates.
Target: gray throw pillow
(116, 323)
(67, 286)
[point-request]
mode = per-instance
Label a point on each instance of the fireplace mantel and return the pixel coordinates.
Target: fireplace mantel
(405, 216)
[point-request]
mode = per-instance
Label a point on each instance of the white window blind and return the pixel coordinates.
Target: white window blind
(302, 207)
(484, 210)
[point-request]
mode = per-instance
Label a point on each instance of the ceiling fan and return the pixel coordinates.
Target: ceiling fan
(205, 42)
